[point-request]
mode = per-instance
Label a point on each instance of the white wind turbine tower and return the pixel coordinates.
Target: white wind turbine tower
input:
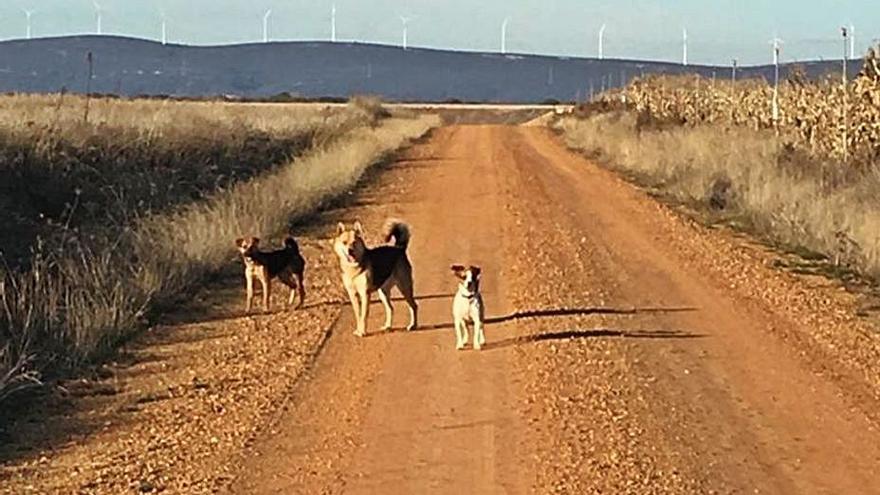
(29, 13)
(684, 58)
(852, 42)
(266, 25)
(602, 42)
(405, 21)
(164, 27)
(504, 35)
(98, 13)
(333, 24)
(777, 48)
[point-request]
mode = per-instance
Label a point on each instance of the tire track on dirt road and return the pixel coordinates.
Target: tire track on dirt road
(710, 396)
(420, 417)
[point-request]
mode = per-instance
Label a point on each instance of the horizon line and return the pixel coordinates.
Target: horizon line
(412, 48)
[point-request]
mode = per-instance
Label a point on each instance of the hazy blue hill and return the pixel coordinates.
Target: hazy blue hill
(130, 66)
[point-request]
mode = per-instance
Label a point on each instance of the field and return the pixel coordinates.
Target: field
(716, 147)
(114, 218)
(827, 119)
(630, 348)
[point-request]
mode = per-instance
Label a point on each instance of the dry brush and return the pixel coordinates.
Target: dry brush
(78, 301)
(717, 147)
(828, 119)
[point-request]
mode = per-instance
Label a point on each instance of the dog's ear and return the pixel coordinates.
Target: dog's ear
(458, 270)
(358, 228)
(476, 271)
(239, 242)
(340, 228)
(255, 241)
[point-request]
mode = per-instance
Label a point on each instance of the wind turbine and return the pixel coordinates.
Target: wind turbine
(29, 13)
(684, 58)
(333, 24)
(266, 25)
(164, 27)
(504, 35)
(97, 15)
(777, 48)
(852, 42)
(405, 21)
(602, 42)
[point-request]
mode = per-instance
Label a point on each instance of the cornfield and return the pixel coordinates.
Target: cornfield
(830, 119)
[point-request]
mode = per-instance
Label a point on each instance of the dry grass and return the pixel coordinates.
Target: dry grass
(748, 176)
(74, 306)
(826, 118)
(65, 111)
(63, 176)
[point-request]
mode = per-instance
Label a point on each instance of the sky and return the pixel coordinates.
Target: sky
(718, 30)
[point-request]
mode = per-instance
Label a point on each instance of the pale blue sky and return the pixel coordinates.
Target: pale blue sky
(718, 29)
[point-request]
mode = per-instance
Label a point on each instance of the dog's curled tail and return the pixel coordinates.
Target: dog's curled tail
(290, 243)
(399, 231)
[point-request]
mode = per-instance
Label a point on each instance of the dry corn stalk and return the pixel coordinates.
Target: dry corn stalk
(810, 114)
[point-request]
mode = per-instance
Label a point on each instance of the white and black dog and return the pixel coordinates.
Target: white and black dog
(467, 306)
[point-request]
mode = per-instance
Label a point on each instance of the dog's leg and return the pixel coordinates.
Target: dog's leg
(479, 338)
(355, 307)
(264, 281)
(459, 338)
(292, 296)
(249, 282)
(287, 278)
(384, 296)
(364, 312)
(406, 288)
(300, 288)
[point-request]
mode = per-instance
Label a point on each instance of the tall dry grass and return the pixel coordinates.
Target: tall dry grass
(63, 176)
(75, 306)
(826, 118)
(784, 195)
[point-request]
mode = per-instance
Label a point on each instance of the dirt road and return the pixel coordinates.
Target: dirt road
(629, 351)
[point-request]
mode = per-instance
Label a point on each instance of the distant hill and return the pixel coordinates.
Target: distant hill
(131, 67)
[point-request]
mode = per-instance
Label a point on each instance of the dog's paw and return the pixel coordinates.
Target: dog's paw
(360, 333)
(477, 346)
(459, 346)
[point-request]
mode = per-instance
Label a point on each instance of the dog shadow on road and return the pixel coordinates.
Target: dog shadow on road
(591, 334)
(578, 334)
(552, 312)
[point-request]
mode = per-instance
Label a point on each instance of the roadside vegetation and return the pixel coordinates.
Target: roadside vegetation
(121, 216)
(788, 181)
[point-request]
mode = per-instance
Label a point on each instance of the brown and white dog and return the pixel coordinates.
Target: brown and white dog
(379, 269)
(467, 306)
(287, 264)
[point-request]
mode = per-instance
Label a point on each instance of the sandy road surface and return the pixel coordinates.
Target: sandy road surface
(629, 351)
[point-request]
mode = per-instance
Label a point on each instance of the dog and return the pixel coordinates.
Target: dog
(286, 264)
(467, 306)
(379, 269)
